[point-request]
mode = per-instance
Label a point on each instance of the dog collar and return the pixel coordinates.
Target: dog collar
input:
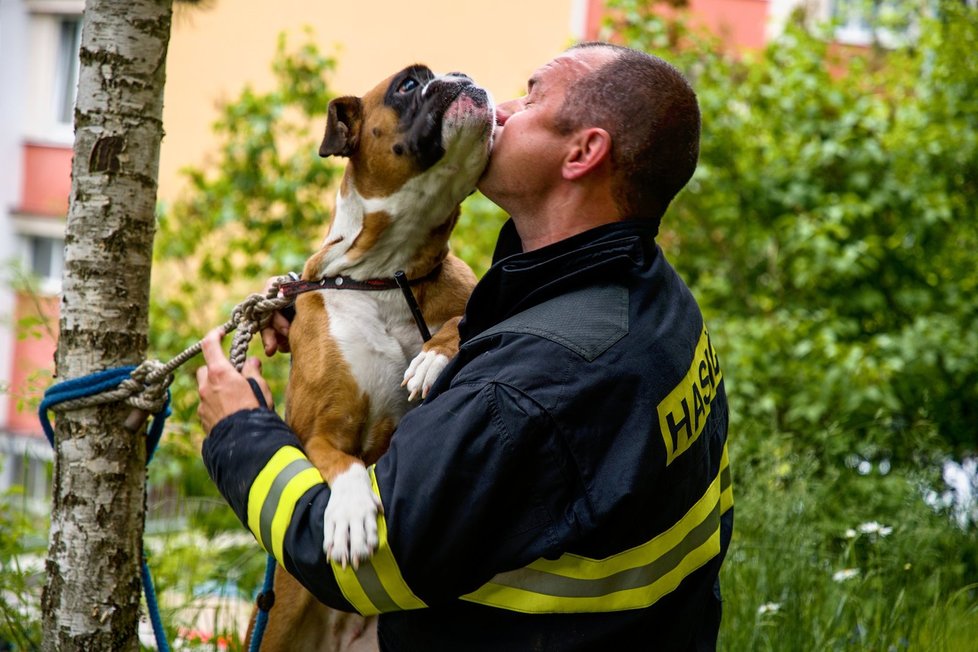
(400, 280)
(295, 288)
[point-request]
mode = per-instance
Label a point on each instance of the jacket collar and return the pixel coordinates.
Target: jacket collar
(518, 280)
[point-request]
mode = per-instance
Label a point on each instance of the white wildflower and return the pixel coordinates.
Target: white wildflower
(962, 482)
(768, 608)
(872, 527)
(850, 533)
(845, 574)
(864, 467)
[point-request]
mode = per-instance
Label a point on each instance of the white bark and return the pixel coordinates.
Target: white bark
(92, 596)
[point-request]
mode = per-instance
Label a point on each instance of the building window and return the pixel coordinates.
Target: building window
(31, 474)
(53, 46)
(67, 75)
(889, 23)
(45, 261)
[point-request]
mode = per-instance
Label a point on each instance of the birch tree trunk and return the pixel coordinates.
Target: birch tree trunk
(92, 597)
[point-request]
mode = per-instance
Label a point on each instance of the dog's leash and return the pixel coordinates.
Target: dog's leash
(402, 282)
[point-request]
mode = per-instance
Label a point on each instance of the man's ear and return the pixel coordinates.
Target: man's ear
(342, 127)
(589, 149)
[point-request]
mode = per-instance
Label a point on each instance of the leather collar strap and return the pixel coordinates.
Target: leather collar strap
(295, 288)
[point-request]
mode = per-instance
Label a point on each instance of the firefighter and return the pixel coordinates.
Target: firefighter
(565, 485)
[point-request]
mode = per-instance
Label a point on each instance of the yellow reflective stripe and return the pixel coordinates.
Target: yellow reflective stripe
(538, 594)
(726, 483)
(632, 579)
(377, 585)
(274, 493)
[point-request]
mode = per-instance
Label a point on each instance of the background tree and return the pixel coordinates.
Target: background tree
(92, 596)
(831, 224)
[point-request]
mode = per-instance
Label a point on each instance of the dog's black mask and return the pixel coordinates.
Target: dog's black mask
(421, 101)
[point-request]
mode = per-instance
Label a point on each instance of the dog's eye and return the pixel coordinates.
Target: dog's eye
(407, 85)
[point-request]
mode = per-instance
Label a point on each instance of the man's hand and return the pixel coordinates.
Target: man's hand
(224, 391)
(275, 336)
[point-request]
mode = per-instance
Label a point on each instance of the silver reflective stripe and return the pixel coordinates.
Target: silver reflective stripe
(372, 586)
(270, 504)
(569, 587)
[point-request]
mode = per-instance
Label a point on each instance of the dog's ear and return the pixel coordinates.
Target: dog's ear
(342, 127)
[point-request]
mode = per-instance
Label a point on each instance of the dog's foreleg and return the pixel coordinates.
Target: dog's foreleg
(434, 357)
(350, 520)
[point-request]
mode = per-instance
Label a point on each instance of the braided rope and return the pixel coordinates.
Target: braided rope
(146, 388)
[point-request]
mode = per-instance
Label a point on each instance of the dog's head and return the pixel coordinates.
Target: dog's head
(413, 124)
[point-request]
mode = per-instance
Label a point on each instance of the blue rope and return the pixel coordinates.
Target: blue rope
(79, 388)
(267, 595)
(96, 384)
(154, 608)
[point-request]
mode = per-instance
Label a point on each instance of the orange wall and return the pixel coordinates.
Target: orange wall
(44, 194)
(741, 23)
(215, 51)
(47, 180)
(33, 361)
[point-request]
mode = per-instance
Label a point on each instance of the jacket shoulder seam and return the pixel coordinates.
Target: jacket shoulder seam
(587, 321)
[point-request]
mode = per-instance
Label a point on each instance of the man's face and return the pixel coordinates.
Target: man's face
(528, 150)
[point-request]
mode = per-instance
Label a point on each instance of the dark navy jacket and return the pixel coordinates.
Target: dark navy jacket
(565, 485)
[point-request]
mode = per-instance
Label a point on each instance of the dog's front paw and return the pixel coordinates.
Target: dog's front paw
(422, 372)
(350, 520)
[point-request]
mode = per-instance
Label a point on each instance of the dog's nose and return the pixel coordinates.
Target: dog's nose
(458, 76)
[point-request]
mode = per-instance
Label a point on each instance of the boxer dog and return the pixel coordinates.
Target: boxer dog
(416, 145)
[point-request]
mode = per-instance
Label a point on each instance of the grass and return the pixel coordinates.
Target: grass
(825, 556)
(894, 576)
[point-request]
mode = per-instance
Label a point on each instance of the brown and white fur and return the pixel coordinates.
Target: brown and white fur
(417, 143)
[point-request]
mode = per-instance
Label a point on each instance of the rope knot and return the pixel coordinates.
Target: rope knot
(147, 385)
(247, 311)
(252, 315)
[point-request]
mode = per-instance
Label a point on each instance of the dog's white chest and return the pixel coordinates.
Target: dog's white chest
(378, 339)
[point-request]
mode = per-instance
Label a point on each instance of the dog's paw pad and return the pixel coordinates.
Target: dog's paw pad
(422, 372)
